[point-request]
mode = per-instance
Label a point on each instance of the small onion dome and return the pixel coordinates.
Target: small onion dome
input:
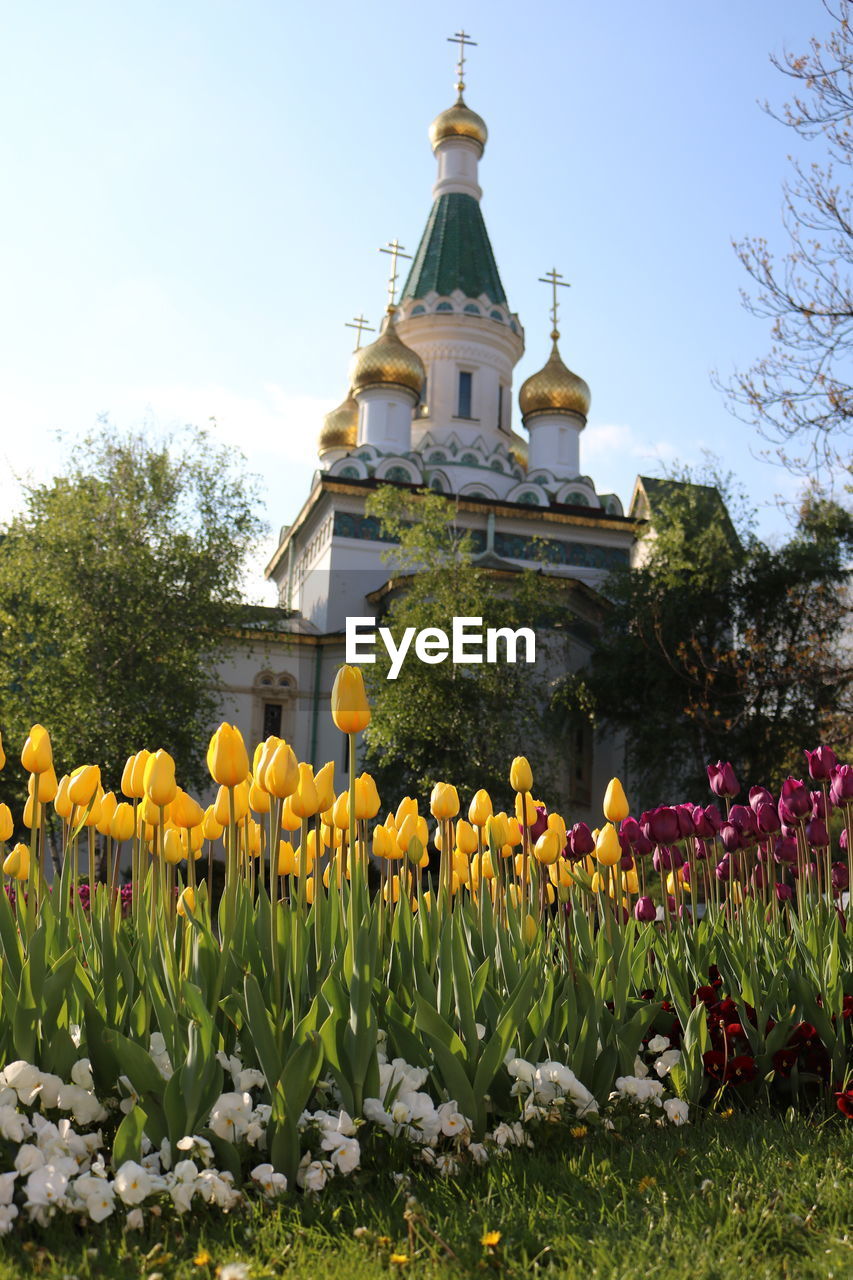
(458, 121)
(554, 389)
(518, 451)
(388, 362)
(340, 427)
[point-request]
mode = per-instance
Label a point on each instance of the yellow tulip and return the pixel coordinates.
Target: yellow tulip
(121, 823)
(630, 883)
(286, 858)
(547, 848)
(497, 830)
(382, 842)
(227, 759)
(222, 804)
(159, 779)
(391, 889)
(259, 799)
(608, 850)
(105, 817)
(2, 753)
(29, 819)
(466, 837)
(133, 777)
(91, 815)
(324, 781)
(406, 807)
(48, 786)
(444, 801)
(531, 928)
(186, 812)
(461, 867)
(7, 826)
(186, 902)
(61, 803)
(413, 826)
(558, 826)
(616, 807)
(211, 829)
(37, 754)
(174, 849)
(309, 890)
(264, 753)
(289, 820)
(350, 709)
(17, 863)
(367, 802)
(340, 811)
(525, 809)
(281, 775)
(83, 784)
(305, 801)
(520, 775)
(480, 808)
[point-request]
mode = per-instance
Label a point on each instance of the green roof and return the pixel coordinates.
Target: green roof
(454, 253)
(705, 500)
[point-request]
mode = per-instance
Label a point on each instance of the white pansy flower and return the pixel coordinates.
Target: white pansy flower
(135, 1220)
(676, 1110)
(271, 1183)
(75, 1031)
(132, 1182)
(50, 1090)
(249, 1079)
(658, 1043)
(230, 1115)
(47, 1185)
(28, 1159)
(198, 1146)
(81, 1073)
(667, 1061)
(25, 1079)
(84, 1106)
(14, 1127)
(640, 1069)
(8, 1214)
(233, 1271)
(159, 1055)
(7, 1187)
(344, 1152)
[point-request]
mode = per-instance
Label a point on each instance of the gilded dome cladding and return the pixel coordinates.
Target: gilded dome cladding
(458, 121)
(388, 362)
(554, 389)
(340, 427)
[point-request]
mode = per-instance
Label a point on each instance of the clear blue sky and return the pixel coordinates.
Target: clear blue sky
(195, 192)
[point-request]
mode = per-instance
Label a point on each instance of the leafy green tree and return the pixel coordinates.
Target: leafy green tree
(446, 722)
(116, 582)
(721, 647)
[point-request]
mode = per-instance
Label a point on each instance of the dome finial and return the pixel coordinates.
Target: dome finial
(360, 323)
(555, 280)
(395, 249)
(554, 389)
(462, 39)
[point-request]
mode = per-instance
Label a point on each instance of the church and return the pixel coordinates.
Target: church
(430, 404)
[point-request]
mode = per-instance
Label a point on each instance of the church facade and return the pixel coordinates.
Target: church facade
(430, 406)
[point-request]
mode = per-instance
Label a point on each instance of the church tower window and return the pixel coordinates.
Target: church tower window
(464, 403)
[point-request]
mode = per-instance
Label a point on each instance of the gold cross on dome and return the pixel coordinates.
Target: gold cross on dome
(461, 38)
(359, 322)
(555, 280)
(395, 249)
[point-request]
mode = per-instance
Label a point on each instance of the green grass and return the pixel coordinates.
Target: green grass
(779, 1204)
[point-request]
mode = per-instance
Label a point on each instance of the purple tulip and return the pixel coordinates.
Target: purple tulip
(626, 862)
(700, 849)
(663, 825)
(722, 779)
(723, 869)
(758, 877)
(820, 805)
(540, 822)
(841, 788)
(842, 840)
(684, 816)
(760, 795)
(713, 817)
(731, 836)
(785, 850)
(767, 819)
(795, 801)
(840, 877)
(581, 841)
(817, 834)
(645, 909)
(636, 837)
(821, 762)
(701, 825)
(784, 892)
(742, 817)
(665, 858)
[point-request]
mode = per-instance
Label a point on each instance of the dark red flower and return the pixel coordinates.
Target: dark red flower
(783, 1061)
(741, 1070)
(821, 762)
(715, 1064)
(844, 1102)
(722, 779)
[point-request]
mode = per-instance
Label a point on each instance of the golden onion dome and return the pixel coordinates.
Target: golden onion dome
(518, 451)
(388, 362)
(340, 427)
(458, 121)
(554, 389)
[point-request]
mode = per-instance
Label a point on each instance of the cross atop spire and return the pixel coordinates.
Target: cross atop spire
(462, 39)
(395, 249)
(359, 322)
(555, 280)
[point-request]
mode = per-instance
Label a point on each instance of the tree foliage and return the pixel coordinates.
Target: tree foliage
(800, 394)
(116, 583)
(718, 648)
(462, 724)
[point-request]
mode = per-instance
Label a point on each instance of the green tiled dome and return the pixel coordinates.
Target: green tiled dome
(454, 253)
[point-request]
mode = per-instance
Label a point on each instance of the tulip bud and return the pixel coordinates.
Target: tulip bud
(722, 779)
(286, 858)
(350, 709)
(466, 837)
(2, 753)
(406, 807)
(227, 758)
(520, 775)
(121, 823)
(105, 816)
(367, 802)
(186, 902)
(340, 811)
(616, 807)
(37, 755)
(61, 803)
(185, 811)
(608, 850)
(525, 809)
(222, 804)
(83, 784)
(547, 848)
(324, 781)
(821, 763)
(383, 846)
(444, 801)
(281, 776)
(497, 831)
(211, 829)
(645, 909)
(7, 826)
(174, 849)
(304, 801)
(48, 786)
(17, 863)
(480, 808)
(159, 779)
